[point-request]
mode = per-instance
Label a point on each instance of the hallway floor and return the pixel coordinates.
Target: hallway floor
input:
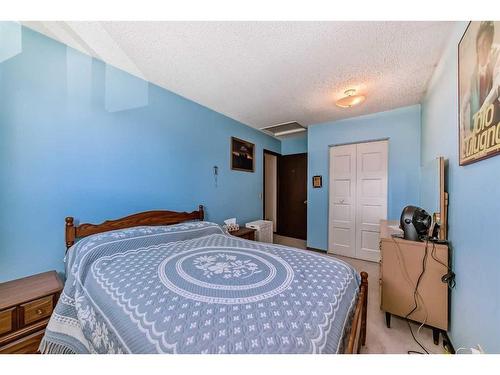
(380, 339)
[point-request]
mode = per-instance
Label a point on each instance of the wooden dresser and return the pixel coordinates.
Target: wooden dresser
(400, 266)
(246, 233)
(25, 308)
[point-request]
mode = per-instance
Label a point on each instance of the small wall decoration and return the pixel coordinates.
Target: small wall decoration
(479, 91)
(242, 155)
(317, 181)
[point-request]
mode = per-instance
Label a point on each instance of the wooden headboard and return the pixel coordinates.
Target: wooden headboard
(142, 218)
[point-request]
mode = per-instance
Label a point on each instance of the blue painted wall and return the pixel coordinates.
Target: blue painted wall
(81, 138)
(294, 144)
(401, 126)
(473, 212)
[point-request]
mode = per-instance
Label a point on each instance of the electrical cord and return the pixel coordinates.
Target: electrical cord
(425, 320)
(433, 255)
(415, 292)
(449, 277)
(414, 352)
(402, 266)
(415, 339)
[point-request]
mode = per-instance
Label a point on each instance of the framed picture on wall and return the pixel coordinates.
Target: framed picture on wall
(317, 182)
(479, 91)
(242, 155)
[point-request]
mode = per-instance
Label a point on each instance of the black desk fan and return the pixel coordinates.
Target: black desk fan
(415, 223)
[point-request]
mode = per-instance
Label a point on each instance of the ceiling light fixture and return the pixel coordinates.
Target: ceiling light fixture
(350, 100)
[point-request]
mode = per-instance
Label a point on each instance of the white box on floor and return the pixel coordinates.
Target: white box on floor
(264, 229)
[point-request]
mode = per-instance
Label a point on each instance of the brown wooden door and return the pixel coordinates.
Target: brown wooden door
(292, 197)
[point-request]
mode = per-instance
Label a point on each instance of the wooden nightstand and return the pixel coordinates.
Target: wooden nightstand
(246, 233)
(25, 308)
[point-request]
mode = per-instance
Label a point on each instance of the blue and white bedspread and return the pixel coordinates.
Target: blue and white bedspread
(191, 288)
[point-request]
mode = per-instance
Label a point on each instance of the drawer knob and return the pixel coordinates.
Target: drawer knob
(39, 312)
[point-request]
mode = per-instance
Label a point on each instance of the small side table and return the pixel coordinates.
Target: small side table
(246, 233)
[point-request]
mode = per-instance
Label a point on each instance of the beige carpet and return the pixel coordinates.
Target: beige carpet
(379, 338)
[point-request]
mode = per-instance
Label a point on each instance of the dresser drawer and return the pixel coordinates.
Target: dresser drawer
(25, 345)
(37, 309)
(7, 321)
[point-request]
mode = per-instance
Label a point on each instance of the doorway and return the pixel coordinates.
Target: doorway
(357, 198)
(285, 193)
(270, 198)
(292, 196)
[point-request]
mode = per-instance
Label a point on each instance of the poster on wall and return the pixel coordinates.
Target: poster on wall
(479, 91)
(242, 155)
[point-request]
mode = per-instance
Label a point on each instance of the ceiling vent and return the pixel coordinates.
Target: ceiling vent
(286, 128)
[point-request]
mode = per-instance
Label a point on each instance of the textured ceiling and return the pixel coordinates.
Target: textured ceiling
(264, 73)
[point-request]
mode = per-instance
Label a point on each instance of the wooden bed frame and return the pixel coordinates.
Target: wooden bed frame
(142, 218)
(357, 334)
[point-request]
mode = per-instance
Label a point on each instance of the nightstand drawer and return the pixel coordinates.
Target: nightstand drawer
(37, 309)
(25, 308)
(6, 321)
(248, 236)
(26, 345)
(245, 233)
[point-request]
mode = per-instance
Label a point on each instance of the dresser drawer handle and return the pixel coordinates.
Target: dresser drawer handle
(39, 312)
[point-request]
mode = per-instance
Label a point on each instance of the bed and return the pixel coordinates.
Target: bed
(169, 282)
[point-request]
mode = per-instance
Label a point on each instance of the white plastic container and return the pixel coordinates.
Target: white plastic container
(264, 229)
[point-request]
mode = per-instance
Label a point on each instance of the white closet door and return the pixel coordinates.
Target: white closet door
(342, 205)
(371, 197)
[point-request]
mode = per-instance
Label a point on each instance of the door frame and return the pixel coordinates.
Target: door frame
(329, 187)
(278, 155)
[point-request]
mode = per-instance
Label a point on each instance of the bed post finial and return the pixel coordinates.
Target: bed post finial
(70, 232)
(364, 309)
(202, 212)
(364, 278)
